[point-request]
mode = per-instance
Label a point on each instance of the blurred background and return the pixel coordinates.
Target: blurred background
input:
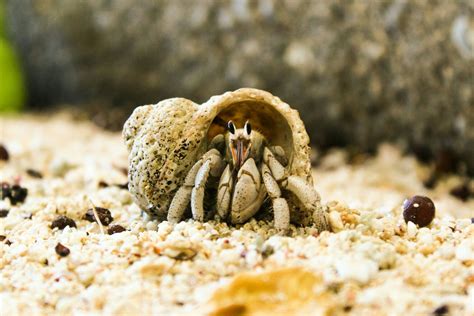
(360, 72)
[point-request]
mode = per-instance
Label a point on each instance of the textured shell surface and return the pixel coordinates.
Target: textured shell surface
(164, 140)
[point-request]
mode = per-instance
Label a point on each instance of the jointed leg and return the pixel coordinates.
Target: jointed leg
(248, 193)
(303, 191)
(212, 165)
(183, 195)
(281, 211)
(224, 193)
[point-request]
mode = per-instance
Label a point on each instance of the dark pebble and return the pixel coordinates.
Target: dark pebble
(8, 242)
(430, 183)
(34, 173)
(115, 229)
(122, 186)
(2, 237)
(419, 209)
(6, 190)
(462, 192)
(62, 250)
(104, 214)
(17, 194)
(4, 155)
(4, 213)
(62, 221)
(442, 310)
(472, 220)
(103, 184)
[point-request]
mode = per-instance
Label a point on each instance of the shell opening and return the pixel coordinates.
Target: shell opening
(263, 116)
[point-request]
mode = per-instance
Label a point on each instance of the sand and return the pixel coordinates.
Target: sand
(372, 263)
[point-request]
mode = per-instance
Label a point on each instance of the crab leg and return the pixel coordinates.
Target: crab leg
(310, 199)
(183, 195)
(248, 194)
(213, 165)
(303, 191)
(224, 193)
(281, 211)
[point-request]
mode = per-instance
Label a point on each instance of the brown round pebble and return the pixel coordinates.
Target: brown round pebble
(419, 209)
(62, 250)
(104, 214)
(4, 153)
(4, 213)
(62, 221)
(115, 229)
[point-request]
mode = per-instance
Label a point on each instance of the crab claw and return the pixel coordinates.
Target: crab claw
(248, 193)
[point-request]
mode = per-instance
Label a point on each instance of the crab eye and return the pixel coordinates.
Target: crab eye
(231, 127)
(248, 128)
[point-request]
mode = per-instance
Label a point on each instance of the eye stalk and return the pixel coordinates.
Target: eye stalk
(247, 128)
(231, 127)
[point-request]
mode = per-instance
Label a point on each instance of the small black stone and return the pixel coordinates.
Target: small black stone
(103, 184)
(34, 173)
(115, 229)
(62, 250)
(4, 213)
(62, 221)
(104, 214)
(419, 209)
(462, 192)
(6, 190)
(4, 155)
(441, 310)
(122, 186)
(2, 237)
(17, 194)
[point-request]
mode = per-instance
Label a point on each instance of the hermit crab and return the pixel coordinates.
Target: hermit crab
(229, 157)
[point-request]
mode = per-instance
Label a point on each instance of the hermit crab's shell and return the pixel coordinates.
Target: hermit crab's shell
(166, 139)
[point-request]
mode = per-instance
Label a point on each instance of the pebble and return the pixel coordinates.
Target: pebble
(62, 222)
(411, 230)
(18, 194)
(465, 250)
(62, 250)
(361, 270)
(335, 221)
(4, 213)
(34, 173)
(104, 214)
(115, 229)
(462, 192)
(4, 155)
(419, 210)
(441, 310)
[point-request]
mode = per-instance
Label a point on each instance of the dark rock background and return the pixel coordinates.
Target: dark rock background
(360, 72)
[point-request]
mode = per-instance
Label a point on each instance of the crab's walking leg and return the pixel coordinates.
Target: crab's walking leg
(183, 195)
(212, 164)
(224, 193)
(303, 191)
(310, 199)
(280, 206)
(248, 194)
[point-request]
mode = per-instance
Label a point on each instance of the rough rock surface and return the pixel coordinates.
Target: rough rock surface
(360, 72)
